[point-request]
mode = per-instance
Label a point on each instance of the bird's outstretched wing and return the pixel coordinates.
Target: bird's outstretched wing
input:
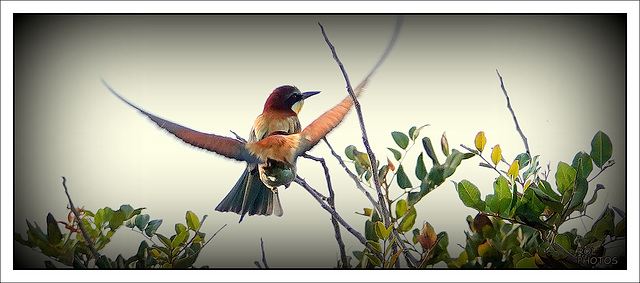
(321, 126)
(224, 146)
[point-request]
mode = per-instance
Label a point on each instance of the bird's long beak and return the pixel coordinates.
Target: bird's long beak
(308, 94)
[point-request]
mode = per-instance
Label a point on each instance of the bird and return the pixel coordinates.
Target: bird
(275, 142)
(280, 114)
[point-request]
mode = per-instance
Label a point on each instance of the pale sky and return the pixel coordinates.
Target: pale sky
(565, 75)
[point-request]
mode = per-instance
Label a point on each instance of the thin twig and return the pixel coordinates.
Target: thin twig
(238, 137)
(264, 258)
(513, 114)
(382, 204)
(374, 166)
(353, 176)
(331, 201)
(333, 213)
(85, 235)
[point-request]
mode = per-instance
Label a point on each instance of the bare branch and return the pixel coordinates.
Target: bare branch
(331, 201)
(264, 258)
(513, 114)
(85, 235)
(374, 166)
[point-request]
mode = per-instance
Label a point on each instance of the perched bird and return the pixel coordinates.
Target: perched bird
(274, 144)
(280, 114)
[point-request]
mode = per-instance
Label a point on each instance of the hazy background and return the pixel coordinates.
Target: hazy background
(565, 75)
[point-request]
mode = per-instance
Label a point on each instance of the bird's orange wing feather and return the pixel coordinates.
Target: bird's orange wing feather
(321, 126)
(224, 146)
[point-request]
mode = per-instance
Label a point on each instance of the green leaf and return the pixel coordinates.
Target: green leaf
(413, 198)
(381, 231)
(370, 231)
(408, 221)
(349, 151)
(116, 220)
(166, 241)
(601, 149)
(452, 162)
(141, 221)
(401, 139)
(523, 159)
(179, 227)
(396, 154)
(580, 193)
(565, 177)
(604, 225)
(53, 231)
(179, 239)
(403, 180)
(415, 132)
(421, 170)
(502, 193)
(553, 204)
(127, 209)
(470, 195)
(621, 228)
(401, 208)
(593, 198)
(583, 164)
(564, 241)
(527, 262)
(374, 260)
(152, 227)
(192, 221)
(428, 148)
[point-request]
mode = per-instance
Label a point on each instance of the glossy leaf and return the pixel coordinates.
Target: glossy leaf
(523, 159)
(601, 149)
(53, 231)
(415, 132)
(428, 148)
(396, 154)
(579, 194)
(401, 139)
(413, 198)
(502, 194)
(488, 253)
(421, 170)
(401, 208)
(621, 228)
(166, 241)
(452, 162)
(408, 221)
(528, 263)
(403, 179)
(594, 197)
(444, 144)
(127, 209)
(116, 220)
(565, 177)
(370, 230)
(583, 164)
(179, 228)
(604, 225)
(180, 238)
(480, 141)
(152, 227)
(381, 231)
(192, 221)
(470, 195)
(496, 154)
(141, 221)
(349, 152)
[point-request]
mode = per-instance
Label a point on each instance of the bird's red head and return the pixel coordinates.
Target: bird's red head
(287, 98)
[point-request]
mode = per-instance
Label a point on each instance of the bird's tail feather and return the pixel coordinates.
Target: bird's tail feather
(250, 195)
